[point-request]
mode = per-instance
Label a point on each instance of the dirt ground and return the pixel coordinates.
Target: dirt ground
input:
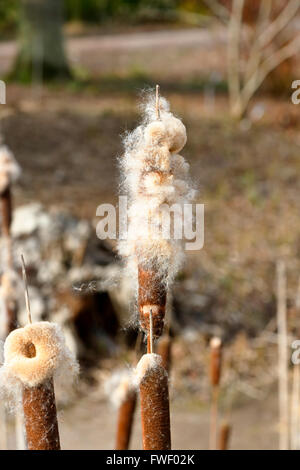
(91, 424)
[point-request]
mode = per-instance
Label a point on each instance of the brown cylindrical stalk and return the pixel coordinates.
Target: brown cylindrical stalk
(125, 421)
(6, 211)
(151, 296)
(40, 417)
(12, 315)
(215, 375)
(164, 350)
(215, 361)
(224, 436)
(40, 412)
(155, 410)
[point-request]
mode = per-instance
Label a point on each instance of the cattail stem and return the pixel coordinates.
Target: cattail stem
(213, 435)
(151, 296)
(6, 211)
(164, 350)
(282, 357)
(215, 375)
(125, 421)
(155, 410)
(295, 407)
(40, 417)
(224, 436)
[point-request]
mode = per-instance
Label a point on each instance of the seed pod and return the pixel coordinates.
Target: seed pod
(224, 436)
(215, 361)
(154, 395)
(125, 421)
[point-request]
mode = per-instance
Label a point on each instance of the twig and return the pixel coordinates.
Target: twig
(26, 290)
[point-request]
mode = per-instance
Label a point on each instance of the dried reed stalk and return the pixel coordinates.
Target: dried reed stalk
(282, 357)
(125, 421)
(215, 375)
(155, 410)
(225, 430)
(295, 408)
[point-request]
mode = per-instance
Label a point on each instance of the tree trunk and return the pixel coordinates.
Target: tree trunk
(41, 55)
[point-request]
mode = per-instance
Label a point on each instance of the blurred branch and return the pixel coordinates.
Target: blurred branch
(282, 20)
(234, 33)
(219, 10)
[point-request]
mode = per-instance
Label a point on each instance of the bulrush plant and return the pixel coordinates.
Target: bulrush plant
(215, 376)
(155, 177)
(122, 393)
(224, 435)
(35, 356)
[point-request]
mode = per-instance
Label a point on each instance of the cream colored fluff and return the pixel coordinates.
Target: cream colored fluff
(154, 175)
(119, 386)
(147, 363)
(52, 355)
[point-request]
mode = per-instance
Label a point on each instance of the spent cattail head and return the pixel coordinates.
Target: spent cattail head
(120, 386)
(153, 383)
(155, 178)
(9, 168)
(215, 361)
(36, 353)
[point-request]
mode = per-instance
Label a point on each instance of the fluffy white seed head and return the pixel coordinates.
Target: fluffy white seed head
(154, 176)
(35, 353)
(9, 168)
(119, 386)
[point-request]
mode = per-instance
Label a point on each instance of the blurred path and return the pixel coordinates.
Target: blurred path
(83, 49)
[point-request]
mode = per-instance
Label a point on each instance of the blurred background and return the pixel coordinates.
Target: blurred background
(74, 71)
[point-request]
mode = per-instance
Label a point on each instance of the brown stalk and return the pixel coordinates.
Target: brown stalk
(224, 436)
(215, 375)
(6, 211)
(164, 350)
(151, 295)
(40, 417)
(155, 411)
(125, 421)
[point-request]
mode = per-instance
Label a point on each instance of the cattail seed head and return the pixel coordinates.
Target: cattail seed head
(215, 361)
(155, 178)
(36, 353)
